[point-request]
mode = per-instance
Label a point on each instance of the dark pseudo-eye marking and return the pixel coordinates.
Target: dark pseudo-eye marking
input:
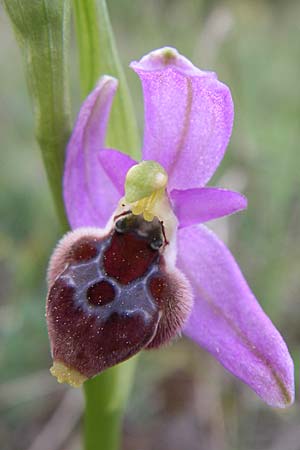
(100, 293)
(113, 295)
(156, 243)
(154, 231)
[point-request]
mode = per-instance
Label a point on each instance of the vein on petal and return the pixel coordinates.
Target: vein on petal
(185, 127)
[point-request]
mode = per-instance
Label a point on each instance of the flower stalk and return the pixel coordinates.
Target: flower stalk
(106, 397)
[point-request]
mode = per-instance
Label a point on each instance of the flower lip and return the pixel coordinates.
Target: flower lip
(108, 304)
(87, 335)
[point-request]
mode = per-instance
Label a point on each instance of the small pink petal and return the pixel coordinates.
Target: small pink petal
(194, 206)
(228, 321)
(90, 195)
(116, 166)
(188, 117)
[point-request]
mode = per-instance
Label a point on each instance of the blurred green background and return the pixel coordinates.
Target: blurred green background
(182, 398)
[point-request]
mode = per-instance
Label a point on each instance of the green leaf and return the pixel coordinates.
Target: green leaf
(98, 56)
(42, 30)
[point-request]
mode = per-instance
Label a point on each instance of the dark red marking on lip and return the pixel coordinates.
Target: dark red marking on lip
(111, 297)
(128, 257)
(171, 293)
(90, 342)
(84, 250)
(100, 293)
(159, 288)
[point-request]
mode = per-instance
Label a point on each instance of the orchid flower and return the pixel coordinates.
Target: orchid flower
(140, 267)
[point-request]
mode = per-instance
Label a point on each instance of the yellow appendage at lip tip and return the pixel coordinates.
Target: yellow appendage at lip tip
(67, 375)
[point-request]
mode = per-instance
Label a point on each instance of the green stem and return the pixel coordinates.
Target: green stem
(42, 30)
(106, 398)
(98, 56)
(106, 394)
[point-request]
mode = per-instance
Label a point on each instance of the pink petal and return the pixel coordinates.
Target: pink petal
(90, 195)
(194, 206)
(228, 321)
(188, 117)
(116, 166)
